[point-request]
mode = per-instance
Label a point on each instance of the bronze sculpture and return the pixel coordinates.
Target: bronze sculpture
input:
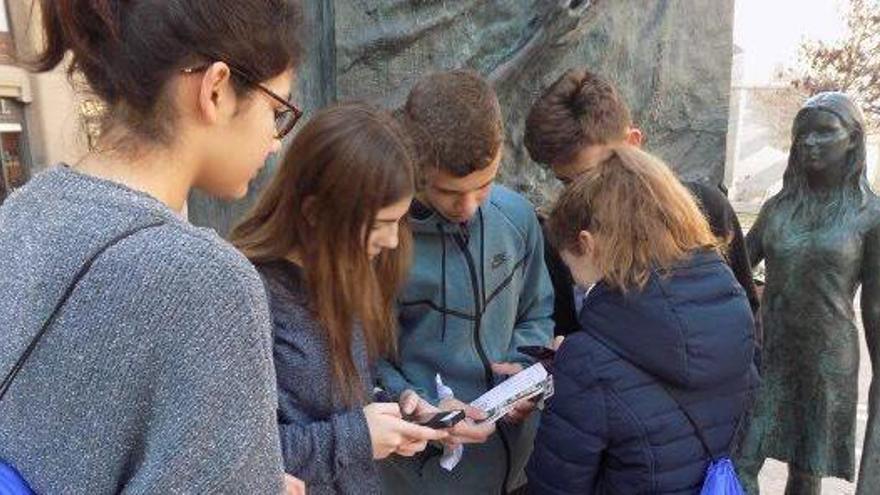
(820, 239)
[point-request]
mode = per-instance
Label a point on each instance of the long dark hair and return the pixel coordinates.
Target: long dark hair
(128, 50)
(854, 191)
(345, 165)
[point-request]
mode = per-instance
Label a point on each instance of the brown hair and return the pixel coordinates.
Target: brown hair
(345, 165)
(455, 121)
(129, 50)
(641, 216)
(579, 109)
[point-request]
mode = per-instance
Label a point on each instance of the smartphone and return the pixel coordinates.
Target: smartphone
(439, 420)
(539, 352)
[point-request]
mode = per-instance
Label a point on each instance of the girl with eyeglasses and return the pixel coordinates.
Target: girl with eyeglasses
(136, 347)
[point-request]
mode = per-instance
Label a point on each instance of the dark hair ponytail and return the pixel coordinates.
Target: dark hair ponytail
(127, 50)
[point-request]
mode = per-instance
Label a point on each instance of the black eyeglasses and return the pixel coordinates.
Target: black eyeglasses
(285, 119)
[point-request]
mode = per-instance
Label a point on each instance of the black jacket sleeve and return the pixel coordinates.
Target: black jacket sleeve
(564, 313)
(725, 225)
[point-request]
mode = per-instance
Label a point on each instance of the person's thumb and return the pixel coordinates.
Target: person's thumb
(557, 342)
(409, 402)
(389, 408)
(422, 433)
(474, 413)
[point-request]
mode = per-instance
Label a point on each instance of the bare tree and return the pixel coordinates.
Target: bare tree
(851, 64)
(775, 108)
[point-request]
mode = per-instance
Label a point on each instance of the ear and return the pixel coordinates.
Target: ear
(854, 138)
(214, 91)
(634, 136)
(586, 243)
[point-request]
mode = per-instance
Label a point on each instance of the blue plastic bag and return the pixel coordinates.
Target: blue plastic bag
(721, 479)
(11, 482)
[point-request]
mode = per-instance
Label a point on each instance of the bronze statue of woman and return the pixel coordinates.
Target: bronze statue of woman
(820, 239)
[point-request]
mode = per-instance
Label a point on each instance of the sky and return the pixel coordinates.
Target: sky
(770, 32)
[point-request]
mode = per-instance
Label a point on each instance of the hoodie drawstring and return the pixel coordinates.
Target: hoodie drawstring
(442, 231)
(482, 257)
(443, 277)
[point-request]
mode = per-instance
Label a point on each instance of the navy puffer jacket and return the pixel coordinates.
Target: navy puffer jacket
(612, 427)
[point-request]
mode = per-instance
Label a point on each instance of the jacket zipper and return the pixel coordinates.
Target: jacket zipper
(478, 311)
(478, 343)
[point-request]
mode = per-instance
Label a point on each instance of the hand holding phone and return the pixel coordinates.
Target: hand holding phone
(391, 434)
(438, 420)
(469, 430)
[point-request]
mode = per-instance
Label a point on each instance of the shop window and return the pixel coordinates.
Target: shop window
(10, 154)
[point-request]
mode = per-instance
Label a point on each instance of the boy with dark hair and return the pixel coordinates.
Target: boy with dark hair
(455, 120)
(573, 126)
(478, 288)
(578, 114)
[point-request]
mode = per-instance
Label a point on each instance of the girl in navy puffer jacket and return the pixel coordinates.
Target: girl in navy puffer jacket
(664, 316)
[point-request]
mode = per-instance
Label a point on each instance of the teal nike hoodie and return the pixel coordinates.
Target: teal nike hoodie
(475, 292)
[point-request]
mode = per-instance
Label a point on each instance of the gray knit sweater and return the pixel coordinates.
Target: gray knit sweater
(325, 442)
(157, 376)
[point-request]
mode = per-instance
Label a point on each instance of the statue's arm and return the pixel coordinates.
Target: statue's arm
(870, 301)
(869, 472)
(755, 239)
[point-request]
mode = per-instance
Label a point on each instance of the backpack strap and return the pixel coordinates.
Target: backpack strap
(7, 382)
(696, 426)
(731, 444)
(697, 429)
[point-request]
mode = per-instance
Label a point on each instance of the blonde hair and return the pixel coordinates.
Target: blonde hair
(641, 216)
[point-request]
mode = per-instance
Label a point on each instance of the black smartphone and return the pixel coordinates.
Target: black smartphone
(439, 420)
(539, 352)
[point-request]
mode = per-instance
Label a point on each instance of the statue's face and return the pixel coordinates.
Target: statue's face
(823, 141)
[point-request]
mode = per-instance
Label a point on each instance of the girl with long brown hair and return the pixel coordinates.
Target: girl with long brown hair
(327, 238)
(655, 385)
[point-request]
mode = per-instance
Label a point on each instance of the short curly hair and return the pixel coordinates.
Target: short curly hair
(579, 109)
(454, 119)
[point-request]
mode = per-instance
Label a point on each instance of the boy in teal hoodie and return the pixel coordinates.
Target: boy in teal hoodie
(478, 288)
